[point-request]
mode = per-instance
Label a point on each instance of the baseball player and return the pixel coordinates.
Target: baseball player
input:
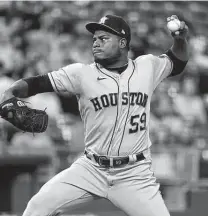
(114, 95)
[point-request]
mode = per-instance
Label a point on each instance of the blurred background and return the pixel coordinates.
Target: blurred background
(38, 37)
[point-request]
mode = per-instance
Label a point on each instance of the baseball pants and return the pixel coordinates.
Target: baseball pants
(131, 188)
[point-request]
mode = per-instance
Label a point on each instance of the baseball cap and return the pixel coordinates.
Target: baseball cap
(113, 24)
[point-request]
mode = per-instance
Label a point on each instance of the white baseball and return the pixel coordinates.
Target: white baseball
(174, 25)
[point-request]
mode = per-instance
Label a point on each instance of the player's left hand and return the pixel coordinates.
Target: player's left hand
(182, 33)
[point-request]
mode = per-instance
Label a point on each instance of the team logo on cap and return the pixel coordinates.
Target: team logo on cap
(103, 19)
(123, 32)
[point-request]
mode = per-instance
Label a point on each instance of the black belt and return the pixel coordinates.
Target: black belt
(105, 161)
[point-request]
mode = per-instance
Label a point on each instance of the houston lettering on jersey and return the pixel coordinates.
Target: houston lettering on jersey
(106, 100)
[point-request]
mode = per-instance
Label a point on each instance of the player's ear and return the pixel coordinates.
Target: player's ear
(122, 43)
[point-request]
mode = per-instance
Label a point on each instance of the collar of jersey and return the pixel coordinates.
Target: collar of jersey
(125, 73)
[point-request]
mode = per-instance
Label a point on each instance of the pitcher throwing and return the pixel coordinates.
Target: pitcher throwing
(114, 95)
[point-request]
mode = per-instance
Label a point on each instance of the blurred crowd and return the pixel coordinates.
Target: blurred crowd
(41, 36)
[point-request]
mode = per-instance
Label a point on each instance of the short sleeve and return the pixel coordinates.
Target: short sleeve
(162, 68)
(67, 79)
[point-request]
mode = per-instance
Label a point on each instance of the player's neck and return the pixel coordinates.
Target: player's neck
(118, 69)
(120, 63)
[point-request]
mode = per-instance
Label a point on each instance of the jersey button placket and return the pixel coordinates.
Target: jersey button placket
(120, 107)
(123, 108)
(117, 78)
(121, 86)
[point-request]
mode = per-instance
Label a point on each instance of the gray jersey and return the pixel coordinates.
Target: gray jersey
(115, 108)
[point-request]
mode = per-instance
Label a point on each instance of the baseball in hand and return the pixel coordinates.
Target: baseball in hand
(174, 25)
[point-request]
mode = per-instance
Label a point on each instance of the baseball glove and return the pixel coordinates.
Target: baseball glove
(24, 118)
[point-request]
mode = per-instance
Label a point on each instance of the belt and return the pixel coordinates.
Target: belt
(113, 162)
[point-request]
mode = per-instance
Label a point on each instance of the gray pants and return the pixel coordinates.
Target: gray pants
(131, 188)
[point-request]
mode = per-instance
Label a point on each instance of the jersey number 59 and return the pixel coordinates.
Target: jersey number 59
(137, 123)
